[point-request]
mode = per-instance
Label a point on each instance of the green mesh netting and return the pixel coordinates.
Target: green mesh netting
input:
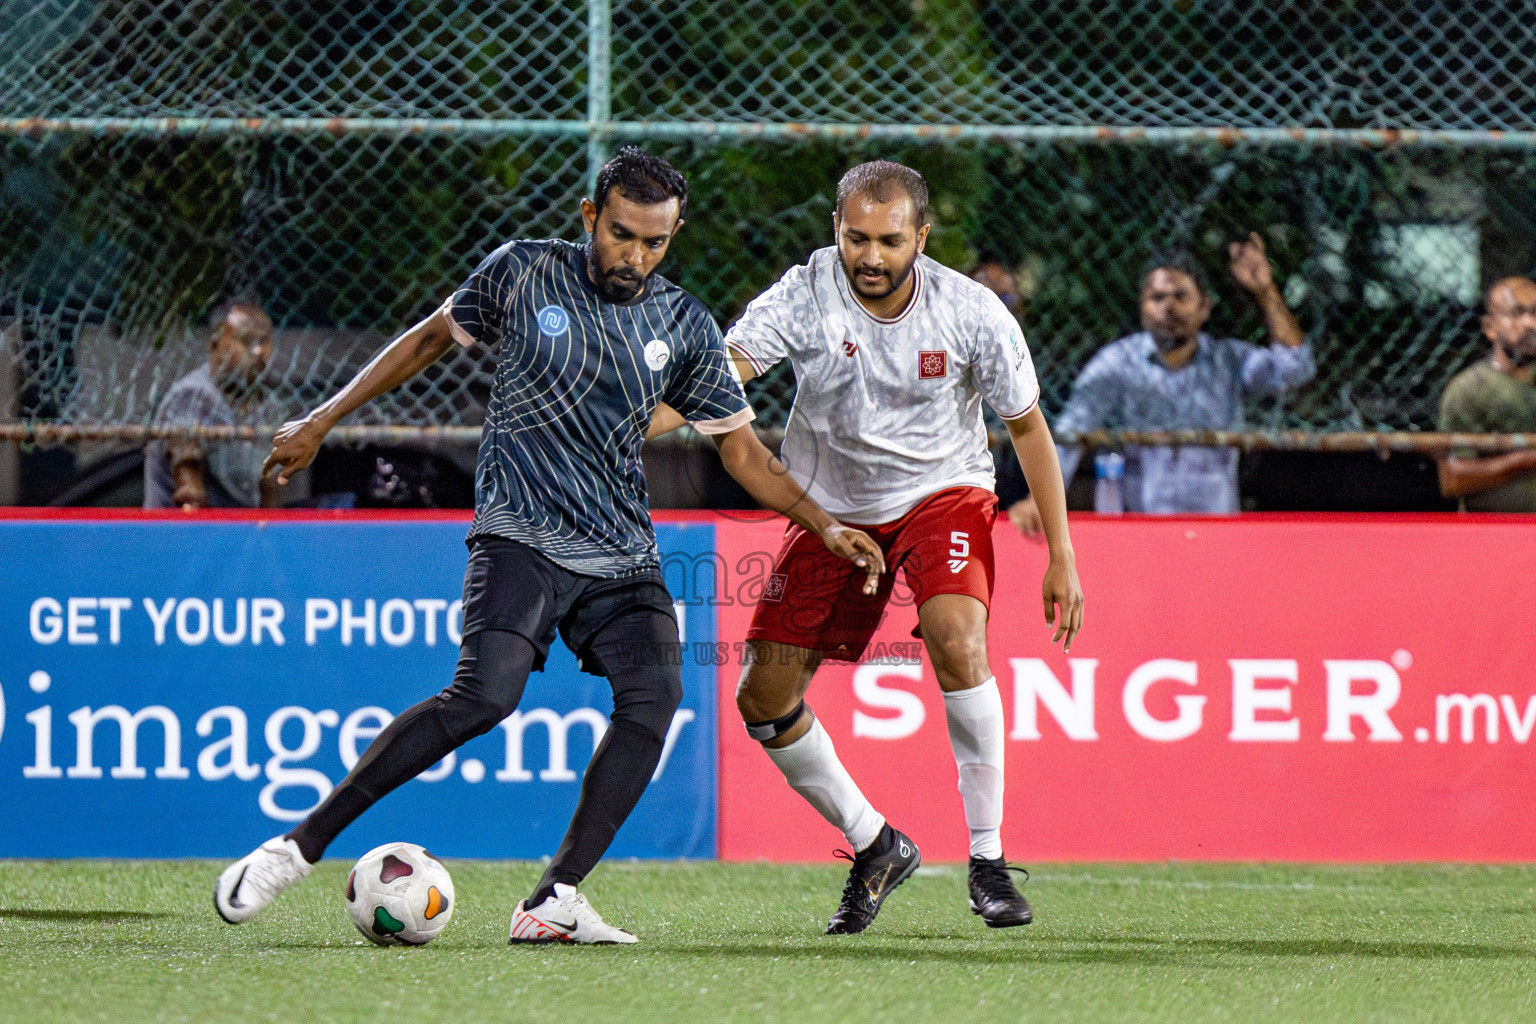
(469, 123)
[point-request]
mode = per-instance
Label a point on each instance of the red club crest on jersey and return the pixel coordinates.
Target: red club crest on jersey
(850, 347)
(932, 364)
(773, 590)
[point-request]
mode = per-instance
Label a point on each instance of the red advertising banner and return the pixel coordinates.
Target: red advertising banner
(1261, 687)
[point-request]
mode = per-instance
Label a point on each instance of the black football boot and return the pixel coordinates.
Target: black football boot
(875, 874)
(995, 897)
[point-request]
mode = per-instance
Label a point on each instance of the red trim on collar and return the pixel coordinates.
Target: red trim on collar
(917, 290)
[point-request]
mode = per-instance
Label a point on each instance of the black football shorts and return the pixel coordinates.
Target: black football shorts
(511, 586)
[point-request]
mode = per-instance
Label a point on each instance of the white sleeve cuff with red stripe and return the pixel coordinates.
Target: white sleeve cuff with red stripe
(726, 424)
(1026, 410)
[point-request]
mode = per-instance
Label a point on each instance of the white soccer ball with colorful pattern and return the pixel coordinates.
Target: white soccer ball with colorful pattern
(399, 894)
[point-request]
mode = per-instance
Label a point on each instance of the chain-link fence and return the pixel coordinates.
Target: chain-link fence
(346, 164)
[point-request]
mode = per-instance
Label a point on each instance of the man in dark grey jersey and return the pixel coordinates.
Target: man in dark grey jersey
(590, 342)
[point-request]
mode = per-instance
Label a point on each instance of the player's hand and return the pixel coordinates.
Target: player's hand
(295, 447)
(1250, 267)
(1025, 516)
(1063, 600)
(859, 548)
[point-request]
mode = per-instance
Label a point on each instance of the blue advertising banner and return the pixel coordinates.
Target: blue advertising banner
(189, 689)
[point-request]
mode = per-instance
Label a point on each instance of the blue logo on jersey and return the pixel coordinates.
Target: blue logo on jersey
(554, 321)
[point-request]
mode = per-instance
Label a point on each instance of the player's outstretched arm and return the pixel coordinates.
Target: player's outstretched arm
(296, 444)
(1037, 455)
(765, 478)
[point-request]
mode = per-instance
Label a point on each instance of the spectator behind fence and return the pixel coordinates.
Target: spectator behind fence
(1172, 376)
(1495, 396)
(995, 275)
(1004, 283)
(224, 392)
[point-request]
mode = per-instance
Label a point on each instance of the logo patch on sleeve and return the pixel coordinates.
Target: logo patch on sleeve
(931, 365)
(773, 590)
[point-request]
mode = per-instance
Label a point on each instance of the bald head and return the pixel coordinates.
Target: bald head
(240, 345)
(1510, 291)
(1509, 321)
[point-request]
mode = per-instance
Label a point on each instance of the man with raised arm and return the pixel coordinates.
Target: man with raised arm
(1171, 375)
(893, 356)
(590, 341)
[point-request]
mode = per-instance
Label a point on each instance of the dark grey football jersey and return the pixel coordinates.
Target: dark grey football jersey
(577, 380)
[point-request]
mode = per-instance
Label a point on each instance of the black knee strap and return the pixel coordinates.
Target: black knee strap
(761, 731)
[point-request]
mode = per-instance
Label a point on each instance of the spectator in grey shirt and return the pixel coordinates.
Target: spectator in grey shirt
(223, 392)
(1171, 375)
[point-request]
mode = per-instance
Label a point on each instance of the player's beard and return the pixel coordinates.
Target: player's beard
(1166, 340)
(896, 277)
(617, 284)
(1522, 353)
(242, 378)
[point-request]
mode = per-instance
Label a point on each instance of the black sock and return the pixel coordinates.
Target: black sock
(493, 668)
(616, 778)
(884, 840)
(410, 745)
(647, 689)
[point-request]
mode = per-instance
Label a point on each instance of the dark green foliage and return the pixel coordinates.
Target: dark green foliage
(117, 242)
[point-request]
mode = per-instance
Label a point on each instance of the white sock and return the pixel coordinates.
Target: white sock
(976, 735)
(813, 770)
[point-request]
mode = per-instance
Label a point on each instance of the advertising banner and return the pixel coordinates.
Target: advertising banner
(1265, 687)
(189, 688)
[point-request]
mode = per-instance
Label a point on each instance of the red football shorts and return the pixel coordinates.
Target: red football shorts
(815, 600)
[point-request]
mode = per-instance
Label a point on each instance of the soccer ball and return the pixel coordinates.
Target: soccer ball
(399, 894)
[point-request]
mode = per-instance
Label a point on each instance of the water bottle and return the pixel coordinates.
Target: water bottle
(1109, 475)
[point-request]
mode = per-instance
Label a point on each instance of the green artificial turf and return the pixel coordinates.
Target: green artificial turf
(131, 941)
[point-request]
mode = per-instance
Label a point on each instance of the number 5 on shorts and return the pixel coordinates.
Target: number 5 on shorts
(959, 550)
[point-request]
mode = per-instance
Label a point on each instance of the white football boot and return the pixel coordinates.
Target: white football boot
(254, 880)
(567, 917)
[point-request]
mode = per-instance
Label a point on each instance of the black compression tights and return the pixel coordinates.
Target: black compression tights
(493, 669)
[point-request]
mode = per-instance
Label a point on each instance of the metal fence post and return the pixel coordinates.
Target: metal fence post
(439, 176)
(599, 78)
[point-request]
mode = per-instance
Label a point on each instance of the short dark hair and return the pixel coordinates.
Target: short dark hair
(641, 178)
(1182, 262)
(881, 180)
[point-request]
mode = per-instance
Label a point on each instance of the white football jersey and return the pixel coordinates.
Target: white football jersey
(888, 412)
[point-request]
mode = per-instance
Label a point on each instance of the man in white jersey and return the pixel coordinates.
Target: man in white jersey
(893, 356)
